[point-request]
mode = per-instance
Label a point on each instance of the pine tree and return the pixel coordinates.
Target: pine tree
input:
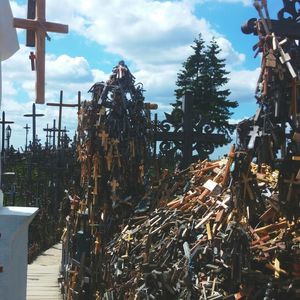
(205, 76)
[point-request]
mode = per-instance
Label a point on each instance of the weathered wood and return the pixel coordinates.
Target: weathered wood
(40, 26)
(42, 276)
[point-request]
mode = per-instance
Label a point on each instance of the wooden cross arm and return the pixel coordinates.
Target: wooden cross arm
(64, 105)
(7, 122)
(34, 24)
(36, 115)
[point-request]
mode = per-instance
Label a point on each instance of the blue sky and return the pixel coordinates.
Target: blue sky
(153, 37)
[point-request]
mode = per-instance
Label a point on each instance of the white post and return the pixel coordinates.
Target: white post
(14, 222)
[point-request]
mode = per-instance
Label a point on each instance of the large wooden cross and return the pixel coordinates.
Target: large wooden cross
(40, 26)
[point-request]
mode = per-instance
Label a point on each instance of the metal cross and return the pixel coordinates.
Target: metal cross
(187, 135)
(33, 115)
(40, 27)
(53, 130)
(26, 137)
(61, 105)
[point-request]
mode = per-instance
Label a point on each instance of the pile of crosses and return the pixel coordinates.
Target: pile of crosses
(217, 230)
(113, 143)
(272, 136)
(197, 244)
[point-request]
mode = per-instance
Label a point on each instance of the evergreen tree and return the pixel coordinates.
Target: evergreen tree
(204, 75)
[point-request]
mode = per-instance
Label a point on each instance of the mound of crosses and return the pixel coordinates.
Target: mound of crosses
(112, 146)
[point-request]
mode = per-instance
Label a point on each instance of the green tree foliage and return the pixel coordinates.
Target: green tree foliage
(204, 74)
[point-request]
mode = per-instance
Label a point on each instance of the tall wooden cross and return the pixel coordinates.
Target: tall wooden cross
(2, 123)
(61, 105)
(33, 115)
(40, 26)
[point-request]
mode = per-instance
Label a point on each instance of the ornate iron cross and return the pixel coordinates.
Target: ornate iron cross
(186, 137)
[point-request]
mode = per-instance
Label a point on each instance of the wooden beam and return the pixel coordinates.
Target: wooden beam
(40, 26)
(33, 25)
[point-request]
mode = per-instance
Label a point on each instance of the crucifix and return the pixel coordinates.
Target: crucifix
(26, 136)
(61, 105)
(2, 123)
(37, 23)
(33, 115)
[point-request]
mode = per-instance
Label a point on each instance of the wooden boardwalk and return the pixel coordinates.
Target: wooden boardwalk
(42, 276)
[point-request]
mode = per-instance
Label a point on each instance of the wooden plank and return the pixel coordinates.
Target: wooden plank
(42, 276)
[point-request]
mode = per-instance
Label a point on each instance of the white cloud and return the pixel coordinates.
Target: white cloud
(70, 74)
(243, 84)
(154, 37)
(244, 2)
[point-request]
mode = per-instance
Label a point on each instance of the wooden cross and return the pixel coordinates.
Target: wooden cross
(2, 123)
(40, 26)
(100, 114)
(32, 59)
(26, 141)
(61, 105)
(114, 185)
(104, 137)
(33, 115)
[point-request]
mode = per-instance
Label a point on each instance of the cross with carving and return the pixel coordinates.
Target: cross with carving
(40, 27)
(61, 105)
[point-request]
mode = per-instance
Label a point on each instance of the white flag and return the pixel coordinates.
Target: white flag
(8, 35)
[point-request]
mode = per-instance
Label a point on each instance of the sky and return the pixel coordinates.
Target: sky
(154, 39)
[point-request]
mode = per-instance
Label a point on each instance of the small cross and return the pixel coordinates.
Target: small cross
(114, 185)
(32, 59)
(104, 137)
(100, 114)
(254, 133)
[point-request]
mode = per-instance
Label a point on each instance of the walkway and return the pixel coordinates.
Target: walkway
(42, 276)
